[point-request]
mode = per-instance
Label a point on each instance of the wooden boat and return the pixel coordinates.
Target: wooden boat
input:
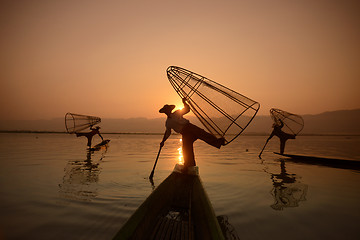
(330, 162)
(177, 209)
(97, 147)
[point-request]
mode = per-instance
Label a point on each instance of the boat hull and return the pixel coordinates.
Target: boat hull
(178, 208)
(330, 162)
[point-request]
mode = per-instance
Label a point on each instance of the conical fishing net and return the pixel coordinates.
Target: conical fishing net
(77, 122)
(224, 112)
(293, 123)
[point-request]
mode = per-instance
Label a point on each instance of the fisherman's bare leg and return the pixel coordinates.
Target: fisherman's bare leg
(282, 145)
(188, 150)
(80, 134)
(89, 141)
(205, 136)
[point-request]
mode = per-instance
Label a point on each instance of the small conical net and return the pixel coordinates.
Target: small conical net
(293, 123)
(77, 122)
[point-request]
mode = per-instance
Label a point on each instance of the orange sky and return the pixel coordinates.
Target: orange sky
(109, 58)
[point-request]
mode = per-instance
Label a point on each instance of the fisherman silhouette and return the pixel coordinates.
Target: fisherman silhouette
(90, 135)
(190, 133)
(277, 131)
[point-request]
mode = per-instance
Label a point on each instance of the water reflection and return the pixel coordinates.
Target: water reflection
(181, 157)
(80, 177)
(288, 191)
(227, 229)
(180, 161)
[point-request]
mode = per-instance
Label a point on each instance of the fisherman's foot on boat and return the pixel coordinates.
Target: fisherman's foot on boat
(185, 170)
(220, 142)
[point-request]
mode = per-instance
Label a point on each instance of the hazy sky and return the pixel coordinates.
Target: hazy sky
(109, 58)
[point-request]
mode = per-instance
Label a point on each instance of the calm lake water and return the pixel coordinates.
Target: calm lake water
(51, 188)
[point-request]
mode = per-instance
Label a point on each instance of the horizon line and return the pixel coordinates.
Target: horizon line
(149, 133)
(139, 117)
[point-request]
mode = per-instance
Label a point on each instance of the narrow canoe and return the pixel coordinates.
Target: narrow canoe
(330, 162)
(178, 208)
(97, 147)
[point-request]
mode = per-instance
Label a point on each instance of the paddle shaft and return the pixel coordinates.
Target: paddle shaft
(153, 170)
(263, 148)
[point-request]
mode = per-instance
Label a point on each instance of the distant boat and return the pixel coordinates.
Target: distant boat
(103, 144)
(178, 208)
(324, 161)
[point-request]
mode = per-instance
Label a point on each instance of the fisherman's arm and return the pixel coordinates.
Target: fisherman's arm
(166, 136)
(186, 108)
(101, 136)
(281, 123)
(271, 135)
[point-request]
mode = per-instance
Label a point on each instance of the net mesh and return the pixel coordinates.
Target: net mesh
(224, 112)
(77, 122)
(293, 124)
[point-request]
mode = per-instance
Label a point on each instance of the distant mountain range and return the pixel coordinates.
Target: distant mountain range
(345, 122)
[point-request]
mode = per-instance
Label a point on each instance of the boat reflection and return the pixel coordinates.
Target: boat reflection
(227, 229)
(81, 177)
(288, 191)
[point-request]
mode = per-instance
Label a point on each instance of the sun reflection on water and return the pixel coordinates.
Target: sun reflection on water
(181, 158)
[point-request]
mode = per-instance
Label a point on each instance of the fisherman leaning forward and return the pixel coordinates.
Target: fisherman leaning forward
(283, 136)
(90, 135)
(190, 133)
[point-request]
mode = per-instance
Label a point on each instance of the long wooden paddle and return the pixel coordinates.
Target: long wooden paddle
(157, 157)
(263, 148)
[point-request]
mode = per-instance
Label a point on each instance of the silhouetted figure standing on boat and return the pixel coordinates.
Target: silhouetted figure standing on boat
(281, 135)
(190, 133)
(90, 135)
